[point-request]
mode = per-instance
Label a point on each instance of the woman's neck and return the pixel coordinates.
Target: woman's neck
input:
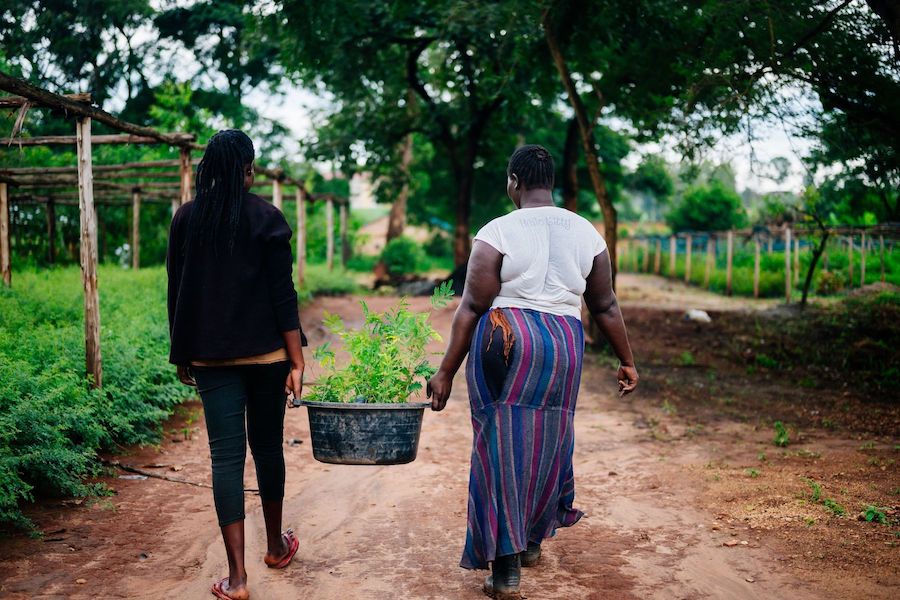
(536, 198)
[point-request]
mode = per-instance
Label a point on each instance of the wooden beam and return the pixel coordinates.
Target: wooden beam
(729, 258)
(657, 256)
(787, 265)
(277, 198)
(150, 164)
(184, 168)
(115, 138)
(93, 361)
(673, 254)
(16, 101)
(300, 195)
(5, 258)
(329, 233)
(756, 250)
(47, 99)
(136, 230)
(687, 263)
(710, 258)
(862, 260)
(72, 178)
(345, 242)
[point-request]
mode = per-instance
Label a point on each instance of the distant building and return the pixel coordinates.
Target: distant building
(362, 191)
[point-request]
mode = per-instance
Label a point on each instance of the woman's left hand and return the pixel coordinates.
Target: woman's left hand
(438, 389)
(185, 377)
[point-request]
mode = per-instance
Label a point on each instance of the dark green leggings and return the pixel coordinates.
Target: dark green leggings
(233, 396)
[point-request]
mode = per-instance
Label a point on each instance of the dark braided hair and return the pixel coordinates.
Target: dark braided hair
(533, 165)
(220, 188)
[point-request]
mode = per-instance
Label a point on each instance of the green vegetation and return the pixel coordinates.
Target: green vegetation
(52, 424)
(712, 207)
(829, 503)
(781, 439)
(402, 256)
(875, 514)
(387, 355)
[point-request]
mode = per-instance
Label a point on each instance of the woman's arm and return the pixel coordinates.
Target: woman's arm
(482, 286)
(604, 308)
(294, 384)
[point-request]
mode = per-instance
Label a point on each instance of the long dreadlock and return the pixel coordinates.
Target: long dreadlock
(220, 189)
(533, 165)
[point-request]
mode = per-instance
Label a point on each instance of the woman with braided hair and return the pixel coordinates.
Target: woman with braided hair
(520, 322)
(235, 334)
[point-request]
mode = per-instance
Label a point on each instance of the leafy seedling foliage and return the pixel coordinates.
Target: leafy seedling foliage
(388, 356)
(782, 439)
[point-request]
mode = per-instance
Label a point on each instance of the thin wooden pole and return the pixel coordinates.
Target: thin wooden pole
(825, 257)
(756, 266)
(634, 255)
(673, 251)
(771, 243)
(796, 260)
(277, 198)
(329, 230)
(51, 230)
(93, 360)
(646, 266)
(729, 261)
(620, 256)
(300, 195)
(881, 255)
(787, 265)
(345, 242)
(658, 254)
(862, 260)
(850, 258)
(710, 257)
(687, 262)
(136, 230)
(5, 257)
(184, 169)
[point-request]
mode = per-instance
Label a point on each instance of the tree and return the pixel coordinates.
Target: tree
(464, 61)
(710, 207)
(652, 181)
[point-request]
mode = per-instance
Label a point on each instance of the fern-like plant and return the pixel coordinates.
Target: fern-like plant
(388, 355)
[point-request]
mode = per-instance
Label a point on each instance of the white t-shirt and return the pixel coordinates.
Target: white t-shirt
(548, 252)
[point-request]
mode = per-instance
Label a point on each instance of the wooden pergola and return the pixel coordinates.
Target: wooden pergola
(89, 185)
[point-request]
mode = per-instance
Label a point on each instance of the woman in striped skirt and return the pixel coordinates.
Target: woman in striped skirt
(520, 322)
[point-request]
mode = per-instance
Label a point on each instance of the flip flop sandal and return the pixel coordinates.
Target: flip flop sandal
(293, 545)
(218, 589)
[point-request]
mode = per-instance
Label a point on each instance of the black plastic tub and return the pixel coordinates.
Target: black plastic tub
(365, 434)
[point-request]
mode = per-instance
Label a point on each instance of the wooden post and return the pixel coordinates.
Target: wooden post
(619, 258)
(657, 255)
(345, 242)
(646, 266)
(862, 260)
(329, 230)
(756, 266)
(881, 255)
(634, 255)
(710, 257)
(135, 230)
(300, 195)
(184, 170)
(687, 262)
(5, 256)
(796, 260)
(787, 265)
(771, 243)
(729, 258)
(88, 252)
(850, 258)
(825, 257)
(673, 252)
(51, 230)
(277, 199)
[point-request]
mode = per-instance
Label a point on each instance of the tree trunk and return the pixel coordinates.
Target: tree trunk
(819, 250)
(586, 128)
(570, 168)
(397, 218)
(462, 245)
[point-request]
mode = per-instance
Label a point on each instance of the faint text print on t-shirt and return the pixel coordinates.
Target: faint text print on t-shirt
(547, 221)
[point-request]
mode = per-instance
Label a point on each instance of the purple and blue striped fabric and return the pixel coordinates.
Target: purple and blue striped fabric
(521, 485)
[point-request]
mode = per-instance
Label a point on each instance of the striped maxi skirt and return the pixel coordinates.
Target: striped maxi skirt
(523, 374)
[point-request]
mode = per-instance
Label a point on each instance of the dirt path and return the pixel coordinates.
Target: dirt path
(652, 530)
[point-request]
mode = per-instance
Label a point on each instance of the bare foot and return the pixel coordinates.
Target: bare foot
(235, 591)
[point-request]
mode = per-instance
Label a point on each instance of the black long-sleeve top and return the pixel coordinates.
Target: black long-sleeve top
(231, 304)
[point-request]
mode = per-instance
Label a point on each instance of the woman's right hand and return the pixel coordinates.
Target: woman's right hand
(438, 389)
(293, 386)
(184, 376)
(628, 379)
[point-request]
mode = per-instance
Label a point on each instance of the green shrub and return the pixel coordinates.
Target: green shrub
(439, 245)
(319, 281)
(52, 424)
(712, 207)
(829, 283)
(402, 256)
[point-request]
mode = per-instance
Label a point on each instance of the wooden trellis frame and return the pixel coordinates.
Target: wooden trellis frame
(40, 178)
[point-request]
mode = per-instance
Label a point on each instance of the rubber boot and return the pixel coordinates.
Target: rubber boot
(503, 583)
(531, 555)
